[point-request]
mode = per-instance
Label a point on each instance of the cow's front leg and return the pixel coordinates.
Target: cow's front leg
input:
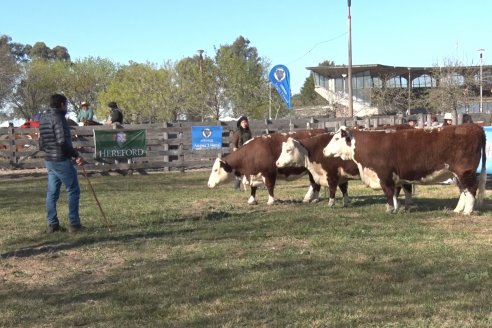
(312, 195)
(252, 197)
(391, 199)
(344, 189)
(270, 185)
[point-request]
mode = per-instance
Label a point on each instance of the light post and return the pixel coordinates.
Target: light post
(350, 92)
(409, 89)
(200, 60)
(343, 84)
(481, 51)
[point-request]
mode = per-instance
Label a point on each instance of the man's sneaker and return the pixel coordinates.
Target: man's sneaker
(75, 228)
(53, 228)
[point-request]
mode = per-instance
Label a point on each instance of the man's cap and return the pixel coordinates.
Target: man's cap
(84, 103)
(240, 119)
(112, 105)
(448, 116)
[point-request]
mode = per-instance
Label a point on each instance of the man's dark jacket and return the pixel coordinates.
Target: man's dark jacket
(54, 136)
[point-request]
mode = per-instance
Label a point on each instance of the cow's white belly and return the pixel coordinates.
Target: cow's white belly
(433, 178)
(253, 180)
(369, 177)
(343, 174)
(319, 174)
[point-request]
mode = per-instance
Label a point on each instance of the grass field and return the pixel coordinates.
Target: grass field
(182, 255)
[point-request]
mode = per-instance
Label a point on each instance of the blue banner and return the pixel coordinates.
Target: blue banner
(280, 78)
(206, 137)
(488, 150)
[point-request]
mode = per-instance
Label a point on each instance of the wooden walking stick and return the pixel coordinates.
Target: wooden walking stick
(106, 221)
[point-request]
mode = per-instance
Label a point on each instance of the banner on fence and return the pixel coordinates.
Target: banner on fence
(206, 137)
(120, 143)
(488, 150)
(280, 78)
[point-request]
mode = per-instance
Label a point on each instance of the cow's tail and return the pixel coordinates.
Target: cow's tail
(483, 174)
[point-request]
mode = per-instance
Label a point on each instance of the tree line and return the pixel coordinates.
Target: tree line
(233, 82)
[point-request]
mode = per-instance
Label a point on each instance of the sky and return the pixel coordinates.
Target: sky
(294, 33)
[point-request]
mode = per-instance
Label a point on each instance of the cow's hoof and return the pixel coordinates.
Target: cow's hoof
(252, 201)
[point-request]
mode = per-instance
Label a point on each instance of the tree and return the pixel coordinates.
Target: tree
(41, 51)
(86, 78)
(389, 99)
(199, 88)
(308, 95)
(456, 87)
(39, 80)
(243, 79)
(9, 71)
(143, 91)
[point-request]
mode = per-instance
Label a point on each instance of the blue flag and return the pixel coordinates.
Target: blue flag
(280, 78)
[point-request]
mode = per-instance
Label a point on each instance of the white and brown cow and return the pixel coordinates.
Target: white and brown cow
(390, 158)
(328, 172)
(255, 161)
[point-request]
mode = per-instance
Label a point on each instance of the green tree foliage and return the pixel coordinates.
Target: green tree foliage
(40, 78)
(86, 78)
(41, 51)
(243, 77)
(9, 71)
(143, 92)
(308, 95)
(198, 88)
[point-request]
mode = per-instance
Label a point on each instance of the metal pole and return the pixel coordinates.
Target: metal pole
(200, 63)
(481, 81)
(409, 89)
(350, 92)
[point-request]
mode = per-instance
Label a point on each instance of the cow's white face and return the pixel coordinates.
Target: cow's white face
(293, 154)
(341, 145)
(219, 174)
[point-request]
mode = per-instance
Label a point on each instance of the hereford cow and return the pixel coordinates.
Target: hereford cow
(388, 159)
(328, 172)
(255, 160)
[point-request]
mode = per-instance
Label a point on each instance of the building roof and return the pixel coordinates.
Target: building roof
(385, 70)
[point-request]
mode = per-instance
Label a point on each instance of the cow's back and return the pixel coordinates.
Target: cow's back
(414, 153)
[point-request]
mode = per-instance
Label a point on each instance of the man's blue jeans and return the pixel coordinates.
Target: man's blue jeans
(58, 173)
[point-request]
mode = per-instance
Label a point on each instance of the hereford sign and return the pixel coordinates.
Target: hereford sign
(120, 143)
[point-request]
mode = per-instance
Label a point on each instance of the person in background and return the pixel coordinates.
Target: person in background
(115, 115)
(412, 121)
(56, 142)
(239, 138)
(86, 113)
(448, 119)
(242, 134)
(467, 118)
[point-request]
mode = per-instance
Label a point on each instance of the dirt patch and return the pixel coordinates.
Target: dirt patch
(50, 267)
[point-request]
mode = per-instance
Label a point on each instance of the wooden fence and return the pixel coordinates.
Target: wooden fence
(169, 145)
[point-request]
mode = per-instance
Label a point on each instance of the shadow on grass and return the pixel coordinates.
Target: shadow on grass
(84, 240)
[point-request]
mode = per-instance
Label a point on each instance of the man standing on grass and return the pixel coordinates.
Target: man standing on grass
(56, 141)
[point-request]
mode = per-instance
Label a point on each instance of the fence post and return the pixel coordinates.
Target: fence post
(420, 120)
(166, 147)
(181, 151)
(12, 148)
(459, 119)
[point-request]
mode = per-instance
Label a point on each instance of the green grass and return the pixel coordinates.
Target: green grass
(182, 255)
